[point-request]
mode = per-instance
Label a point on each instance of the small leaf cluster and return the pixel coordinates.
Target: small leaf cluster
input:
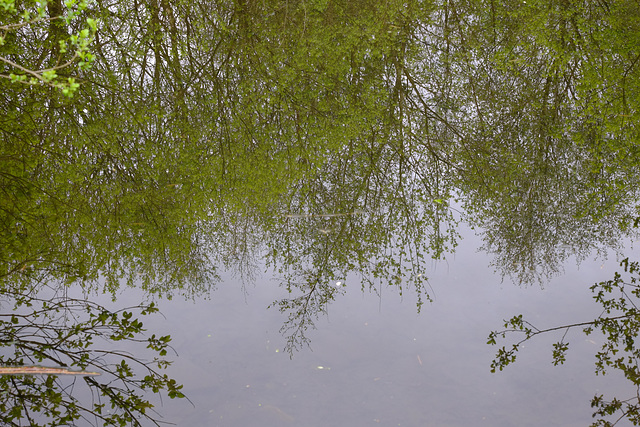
(504, 356)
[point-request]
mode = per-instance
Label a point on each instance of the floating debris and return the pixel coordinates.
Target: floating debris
(326, 215)
(277, 413)
(41, 370)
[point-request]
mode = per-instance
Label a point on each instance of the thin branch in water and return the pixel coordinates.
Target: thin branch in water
(42, 370)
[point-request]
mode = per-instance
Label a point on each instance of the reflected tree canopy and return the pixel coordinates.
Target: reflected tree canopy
(333, 138)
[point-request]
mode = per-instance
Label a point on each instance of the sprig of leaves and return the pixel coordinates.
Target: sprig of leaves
(619, 323)
(78, 42)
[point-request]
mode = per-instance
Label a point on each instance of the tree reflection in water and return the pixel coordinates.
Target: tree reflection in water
(331, 138)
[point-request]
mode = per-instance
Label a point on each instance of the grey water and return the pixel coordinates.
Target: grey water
(374, 361)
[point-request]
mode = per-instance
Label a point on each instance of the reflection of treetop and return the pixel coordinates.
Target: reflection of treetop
(193, 135)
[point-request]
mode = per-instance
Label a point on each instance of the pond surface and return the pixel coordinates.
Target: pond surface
(321, 143)
(374, 361)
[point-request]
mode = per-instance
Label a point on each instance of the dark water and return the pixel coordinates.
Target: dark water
(374, 361)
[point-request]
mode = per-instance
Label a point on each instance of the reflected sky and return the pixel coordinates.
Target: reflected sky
(375, 361)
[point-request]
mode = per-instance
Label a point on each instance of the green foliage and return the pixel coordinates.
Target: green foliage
(541, 108)
(335, 137)
(22, 66)
(141, 184)
(559, 350)
(67, 332)
(619, 324)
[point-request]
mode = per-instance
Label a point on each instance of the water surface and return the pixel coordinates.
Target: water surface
(374, 361)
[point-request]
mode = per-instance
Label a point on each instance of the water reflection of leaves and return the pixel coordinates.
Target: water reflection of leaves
(380, 107)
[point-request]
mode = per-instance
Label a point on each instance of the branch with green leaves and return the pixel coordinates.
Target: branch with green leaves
(66, 334)
(76, 43)
(619, 324)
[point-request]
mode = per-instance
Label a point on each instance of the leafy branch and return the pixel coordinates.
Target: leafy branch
(63, 331)
(619, 323)
(78, 42)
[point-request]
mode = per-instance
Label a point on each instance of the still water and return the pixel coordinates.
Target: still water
(374, 361)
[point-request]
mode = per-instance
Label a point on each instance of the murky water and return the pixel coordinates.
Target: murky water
(375, 361)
